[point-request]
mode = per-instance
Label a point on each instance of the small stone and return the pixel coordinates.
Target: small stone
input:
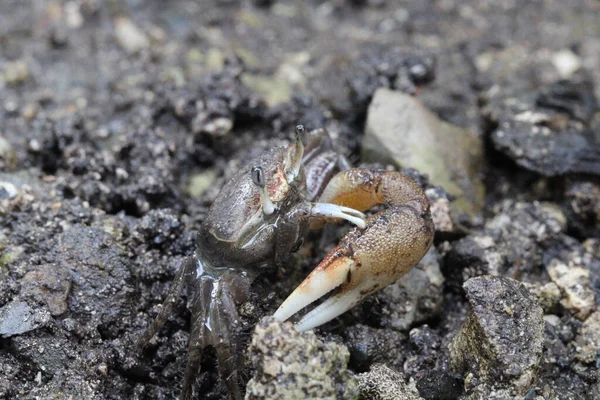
(414, 298)
(103, 369)
(402, 131)
(8, 157)
(370, 345)
(29, 111)
(15, 72)
(588, 340)
(200, 182)
(574, 282)
(293, 365)
(566, 62)
(122, 174)
(50, 284)
(129, 36)
(383, 383)
(502, 338)
(440, 210)
(8, 190)
(548, 295)
(17, 318)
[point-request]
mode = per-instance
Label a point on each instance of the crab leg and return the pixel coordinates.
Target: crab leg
(393, 241)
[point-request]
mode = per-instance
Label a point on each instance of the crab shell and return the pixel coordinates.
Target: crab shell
(236, 233)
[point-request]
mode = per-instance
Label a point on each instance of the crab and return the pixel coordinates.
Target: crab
(261, 216)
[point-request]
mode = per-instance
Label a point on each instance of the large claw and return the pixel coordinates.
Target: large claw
(393, 241)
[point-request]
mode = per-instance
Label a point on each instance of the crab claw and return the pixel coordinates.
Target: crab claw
(394, 241)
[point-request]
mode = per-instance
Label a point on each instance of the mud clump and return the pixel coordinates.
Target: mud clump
(293, 365)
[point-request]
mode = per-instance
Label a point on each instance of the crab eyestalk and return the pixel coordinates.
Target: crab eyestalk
(301, 140)
(258, 178)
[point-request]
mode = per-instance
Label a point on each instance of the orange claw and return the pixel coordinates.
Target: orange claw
(393, 242)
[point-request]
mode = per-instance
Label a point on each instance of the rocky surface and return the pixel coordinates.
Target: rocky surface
(121, 121)
(293, 365)
(501, 340)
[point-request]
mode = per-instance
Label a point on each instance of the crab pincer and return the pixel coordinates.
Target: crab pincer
(366, 260)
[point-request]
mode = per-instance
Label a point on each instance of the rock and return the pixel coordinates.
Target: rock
(200, 182)
(129, 36)
(588, 340)
(382, 383)
(18, 317)
(15, 72)
(556, 334)
(566, 62)
(49, 284)
(512, 244)
(549, 132)
(293, 365)
(582, 208)
(501, 340)
(439, 385)
(101, 288)
(8, 157)
(423, 351)
(401, 131)
(574, 282)
(548, 295)
(414, 298)
(8, 191)
(441, 211)
(368, 345)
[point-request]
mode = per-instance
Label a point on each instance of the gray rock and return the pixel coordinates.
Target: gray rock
(99, 267)
(370, 345)
(414, 298)
(383, 383)
(548, 132)
(17, 318)
(588, 340)
(293, 365)
(402, 131)
(50, 284)
(501, 340)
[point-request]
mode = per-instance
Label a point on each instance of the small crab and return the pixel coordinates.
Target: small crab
(263, 214)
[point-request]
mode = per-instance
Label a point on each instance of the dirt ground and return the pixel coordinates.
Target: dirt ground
(120, 122)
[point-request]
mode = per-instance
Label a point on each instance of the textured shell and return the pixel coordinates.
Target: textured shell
(240, 199)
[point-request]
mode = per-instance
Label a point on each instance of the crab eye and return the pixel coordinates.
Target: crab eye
(301, 134)
(258, 176)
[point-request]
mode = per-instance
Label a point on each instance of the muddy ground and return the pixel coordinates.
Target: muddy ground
(120, 122)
